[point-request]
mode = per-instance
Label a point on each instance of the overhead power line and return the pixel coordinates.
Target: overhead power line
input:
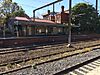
(27, 5)
(47, 5)
(42, 1)
(85, 1)
(88, 2)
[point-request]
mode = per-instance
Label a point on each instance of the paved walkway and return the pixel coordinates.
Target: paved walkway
(96, 71)
(92, 68)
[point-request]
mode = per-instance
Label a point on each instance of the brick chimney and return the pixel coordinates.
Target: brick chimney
(48, 12)
(62, 15)
(53, 18)
(62, 9)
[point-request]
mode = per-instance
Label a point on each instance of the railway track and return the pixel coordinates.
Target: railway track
(46, 59)
(53, 52)
(26, 48)
(43, 51)
(36, 47)
(63, 54)
(82, 68)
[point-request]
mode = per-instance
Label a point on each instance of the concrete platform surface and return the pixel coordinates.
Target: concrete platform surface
(96, 71)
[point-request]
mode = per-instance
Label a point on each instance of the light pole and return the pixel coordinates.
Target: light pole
(69, 24)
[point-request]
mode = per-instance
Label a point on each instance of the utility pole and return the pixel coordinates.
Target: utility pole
(97, 5)
(69, 24)
(33, 15)
(53, 11)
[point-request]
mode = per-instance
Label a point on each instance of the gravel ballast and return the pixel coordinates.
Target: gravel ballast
(56, 66)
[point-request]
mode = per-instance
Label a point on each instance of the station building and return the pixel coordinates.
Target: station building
(49, 25)
(27, 27)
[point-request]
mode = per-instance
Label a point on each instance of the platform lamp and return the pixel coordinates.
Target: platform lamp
(16, 22)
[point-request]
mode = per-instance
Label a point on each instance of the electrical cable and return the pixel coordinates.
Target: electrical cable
(27, 5)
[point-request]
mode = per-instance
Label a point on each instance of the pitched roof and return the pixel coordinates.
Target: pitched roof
(42, 20)
(36, 20)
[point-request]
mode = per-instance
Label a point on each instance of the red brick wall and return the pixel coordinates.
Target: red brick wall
(64, 18)
(29, 40)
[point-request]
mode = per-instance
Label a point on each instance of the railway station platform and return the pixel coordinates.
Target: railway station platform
(96, 71)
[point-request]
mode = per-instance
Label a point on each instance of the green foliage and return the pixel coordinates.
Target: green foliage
(98, 25)
(85, 15)
(19, 13)
(34, 66)
(9, 66)
(9, 9)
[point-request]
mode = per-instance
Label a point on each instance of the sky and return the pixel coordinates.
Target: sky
(30, 5)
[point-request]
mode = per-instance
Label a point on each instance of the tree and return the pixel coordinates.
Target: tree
(98, 25)
(85, 15)
(9, 9)
(19, 12)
